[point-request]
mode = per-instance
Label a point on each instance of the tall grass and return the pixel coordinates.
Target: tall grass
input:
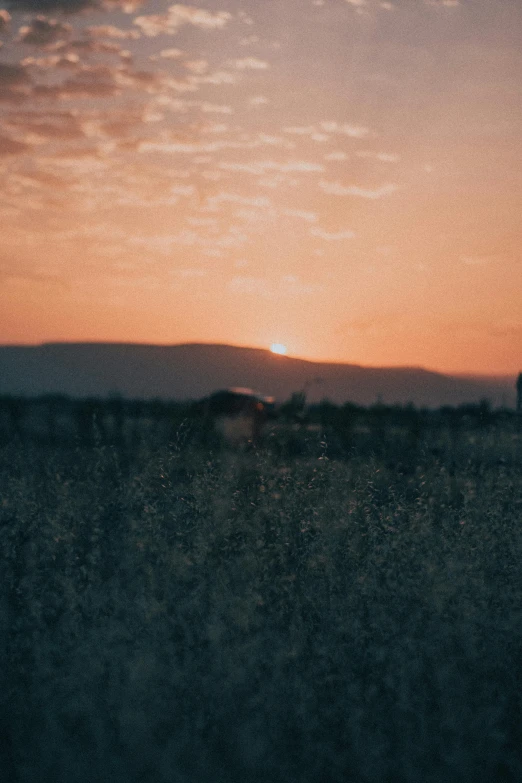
(180, 615)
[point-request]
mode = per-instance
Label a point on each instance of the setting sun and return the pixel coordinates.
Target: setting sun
(278, 348)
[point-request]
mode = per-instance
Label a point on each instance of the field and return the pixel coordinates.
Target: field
(342, 603)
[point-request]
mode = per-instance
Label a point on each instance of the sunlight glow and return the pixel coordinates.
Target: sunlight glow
(278, 348)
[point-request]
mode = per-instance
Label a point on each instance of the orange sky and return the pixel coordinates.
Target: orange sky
(340, 176)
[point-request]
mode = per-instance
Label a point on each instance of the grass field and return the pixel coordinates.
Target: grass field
(177, 614)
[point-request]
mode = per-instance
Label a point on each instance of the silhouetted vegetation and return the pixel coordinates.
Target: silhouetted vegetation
(340, 604)
(123, 422)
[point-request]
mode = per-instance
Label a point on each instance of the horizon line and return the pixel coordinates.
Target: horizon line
(279, 357)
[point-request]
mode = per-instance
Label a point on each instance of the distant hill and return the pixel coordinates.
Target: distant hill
(184, 372)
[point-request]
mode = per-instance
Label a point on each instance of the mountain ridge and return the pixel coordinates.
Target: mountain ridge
(192, 370)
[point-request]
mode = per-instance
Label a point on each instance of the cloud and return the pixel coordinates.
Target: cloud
(212, 108)
(172, 146)
(167, 54)
(384, 157)
(14, 83)
(336, 189)
(118, 123)
(128, 6)
(331, 237)
(337, 156)
(300, 130)
(179, 15)
(110, 31)
(345, 128)
(210, 246)
(12, 75)
(187, 14)
(309, 217)
(93, 81)
(319, 132)
(11, 146)
(196, 66)
(66, 6)
(214, 202)
(98, 81)
(186, 147)
(248, 64)
(43, 32)
(5, 18)
(73, 6)
(261, 167)
(46, 179)
(69, 61)
(443, 3)
(43, 126)
(218, 77)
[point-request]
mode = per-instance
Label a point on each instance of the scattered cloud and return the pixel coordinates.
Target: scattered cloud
(5, 18)
(337, 155)
(12, 75)
(69, 61)
(46, 126)
(217, 78)
(11, 146)
(168, 145)
(110, 31)
(443, 3)
(346, 129)
(248, 64)
(213, 203)
(300, 130)
(261, 167)
(91, 81)
(14, 83)
(384, 157)
(179, 152)
(44, 32)
(196, 66)
(74, 6)
(336, 189)
(179, 15)
(301, 214)
(168, 54)
(323, 130)
(320, 233)
(213, 108)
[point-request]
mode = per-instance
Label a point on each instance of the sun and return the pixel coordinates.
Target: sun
(278, 348)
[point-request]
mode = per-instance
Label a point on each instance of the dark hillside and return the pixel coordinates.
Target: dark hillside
(194, 370)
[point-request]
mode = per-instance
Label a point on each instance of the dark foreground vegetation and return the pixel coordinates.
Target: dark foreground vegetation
(342, 603)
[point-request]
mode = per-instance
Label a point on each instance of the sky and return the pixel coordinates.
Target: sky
(339, 176)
